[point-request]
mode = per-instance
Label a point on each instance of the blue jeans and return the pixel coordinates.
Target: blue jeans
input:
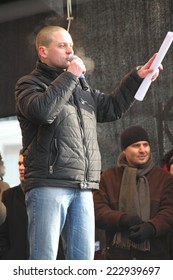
(66, 211)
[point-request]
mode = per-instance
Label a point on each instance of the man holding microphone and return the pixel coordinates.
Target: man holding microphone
(58, 117)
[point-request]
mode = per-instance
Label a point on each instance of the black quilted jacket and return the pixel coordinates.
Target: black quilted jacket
(58, 122)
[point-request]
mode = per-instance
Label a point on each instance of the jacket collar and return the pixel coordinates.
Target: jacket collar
(51, 72)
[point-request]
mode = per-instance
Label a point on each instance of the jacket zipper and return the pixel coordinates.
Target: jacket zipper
(53, 163)
(79, 117)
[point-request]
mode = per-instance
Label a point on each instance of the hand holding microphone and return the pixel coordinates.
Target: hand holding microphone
(78, 68)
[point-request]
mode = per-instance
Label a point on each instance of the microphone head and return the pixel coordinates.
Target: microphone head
(72, 57)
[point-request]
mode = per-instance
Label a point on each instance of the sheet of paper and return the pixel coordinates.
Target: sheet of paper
(142, 90)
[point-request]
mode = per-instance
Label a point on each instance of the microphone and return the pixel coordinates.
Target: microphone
(82, 79)
(83, 82)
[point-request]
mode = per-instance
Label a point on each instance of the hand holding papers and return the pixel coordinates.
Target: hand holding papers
(142, 90)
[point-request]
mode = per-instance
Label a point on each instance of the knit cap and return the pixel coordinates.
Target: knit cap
(132, 135)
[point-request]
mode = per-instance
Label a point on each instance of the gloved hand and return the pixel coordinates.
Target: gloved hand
(126, 221)
(142, 232)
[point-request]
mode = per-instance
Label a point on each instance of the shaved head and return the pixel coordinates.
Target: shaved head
(44, 37)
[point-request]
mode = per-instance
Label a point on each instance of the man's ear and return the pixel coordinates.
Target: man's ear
(42, 51)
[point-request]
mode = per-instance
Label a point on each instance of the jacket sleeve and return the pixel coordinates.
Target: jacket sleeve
(41, 103)
(161, 201)
(111, 107)
(107, 215)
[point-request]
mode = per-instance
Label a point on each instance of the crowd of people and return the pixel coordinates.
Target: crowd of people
(62, 196)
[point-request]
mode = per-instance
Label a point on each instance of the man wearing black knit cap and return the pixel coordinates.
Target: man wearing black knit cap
(135, 202)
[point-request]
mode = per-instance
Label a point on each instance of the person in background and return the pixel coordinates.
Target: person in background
(135, 202)
(167, 161)
(58, 111)
(167, 164)
(171, 165)
(2, 212)
(3, 185)
(13, 232)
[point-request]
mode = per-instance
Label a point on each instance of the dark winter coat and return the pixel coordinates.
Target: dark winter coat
(13, 232)
(58, 121)
(161, 212)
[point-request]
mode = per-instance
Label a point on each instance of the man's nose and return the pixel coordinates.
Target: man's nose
(69, 49)
(141, 148)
